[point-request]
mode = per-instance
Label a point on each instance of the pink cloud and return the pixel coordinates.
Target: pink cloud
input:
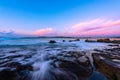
(44, 32)
(96, 27)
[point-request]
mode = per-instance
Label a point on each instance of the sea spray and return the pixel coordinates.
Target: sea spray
(41, 71)
(42, 68)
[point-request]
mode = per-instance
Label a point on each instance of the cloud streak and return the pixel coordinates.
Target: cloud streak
(93, 27)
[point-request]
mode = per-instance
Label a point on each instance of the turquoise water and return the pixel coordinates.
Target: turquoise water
(44, 42)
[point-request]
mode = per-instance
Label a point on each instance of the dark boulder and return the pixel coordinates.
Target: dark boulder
(52, 41)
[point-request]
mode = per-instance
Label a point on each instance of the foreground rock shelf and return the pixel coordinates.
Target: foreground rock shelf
(71, 65)
(34, 63)
(108, 62)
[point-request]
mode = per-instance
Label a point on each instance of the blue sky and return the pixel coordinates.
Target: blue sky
(57, 17)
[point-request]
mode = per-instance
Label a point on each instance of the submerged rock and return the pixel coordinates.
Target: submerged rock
(105, 64)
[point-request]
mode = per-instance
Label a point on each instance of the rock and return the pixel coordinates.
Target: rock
(81, 71)
(14, 51)
(70, 40)
(63, 40)
(105, 64)
(73, 63)
(74, 40)
(116, 41)
(52, 41)
(98, 76)
(88, 40)
(104, 40)
(77, 39)
(82, 59)
(19, 66)
(107, 40)
(16, 71)
(76, 53)
(112, 45)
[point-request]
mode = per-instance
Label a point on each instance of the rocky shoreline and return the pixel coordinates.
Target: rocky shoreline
(25, 64)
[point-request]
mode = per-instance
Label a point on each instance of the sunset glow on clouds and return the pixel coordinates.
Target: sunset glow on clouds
(60, 17)
(44, 32)
(94, 27)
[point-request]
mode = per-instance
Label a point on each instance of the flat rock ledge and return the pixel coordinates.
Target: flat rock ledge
(108, 64)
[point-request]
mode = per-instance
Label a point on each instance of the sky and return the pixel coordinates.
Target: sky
(60, 17)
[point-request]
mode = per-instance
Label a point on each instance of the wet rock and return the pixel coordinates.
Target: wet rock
(88, 40)
(98, 76)
(52, 41)
(112, 45)
(63, 40)
(19, 66)
(16, 70)
(70, 40)
(75, 63)
(107, 40)
(82, 59)
(97, 50)
(14, 51)
(77, 39)
(81, 71)
(14, 56)
(76, 53)
(105, 64)
(116, 41)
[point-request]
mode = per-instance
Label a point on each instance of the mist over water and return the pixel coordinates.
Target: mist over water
(41, 54)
